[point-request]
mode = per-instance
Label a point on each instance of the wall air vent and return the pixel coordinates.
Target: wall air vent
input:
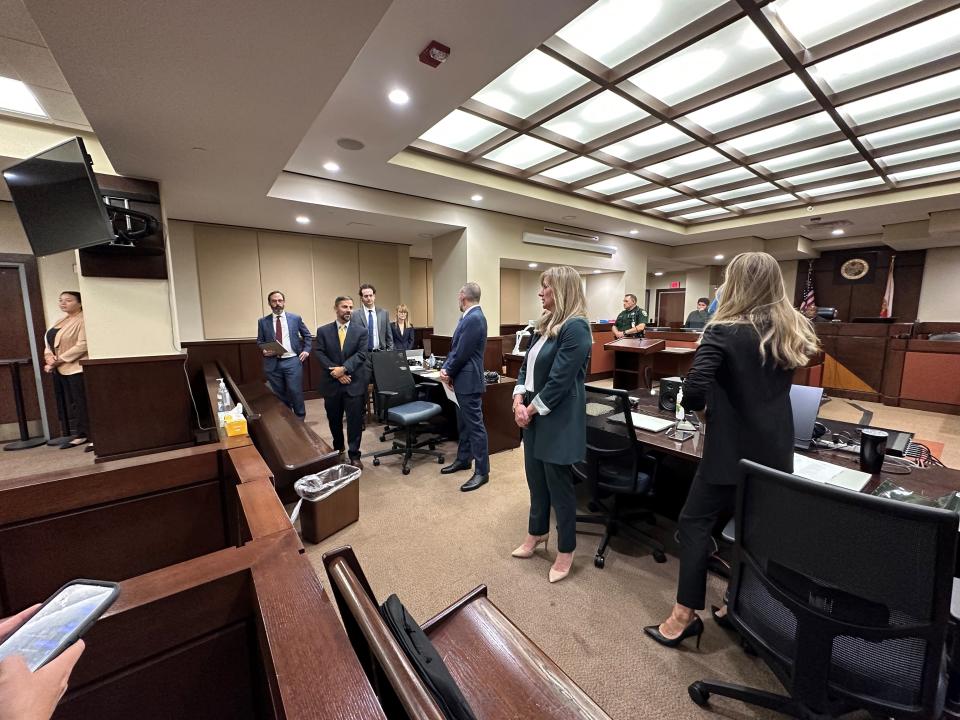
(570, 241)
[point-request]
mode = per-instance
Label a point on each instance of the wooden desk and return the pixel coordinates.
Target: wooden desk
(633, 362)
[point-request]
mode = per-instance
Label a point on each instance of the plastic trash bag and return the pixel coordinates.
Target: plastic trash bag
(316, 487)
(888, 489)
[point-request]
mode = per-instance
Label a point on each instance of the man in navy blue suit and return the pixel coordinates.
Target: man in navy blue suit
(463, 371)
(341, 349)
(284, 370)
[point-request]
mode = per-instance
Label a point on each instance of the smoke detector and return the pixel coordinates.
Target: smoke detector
(820, 224)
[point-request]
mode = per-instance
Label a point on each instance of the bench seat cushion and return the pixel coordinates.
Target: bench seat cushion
(412, 413)
(502, 673)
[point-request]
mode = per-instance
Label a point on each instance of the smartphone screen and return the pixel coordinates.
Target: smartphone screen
(679, 435)
(42, 637)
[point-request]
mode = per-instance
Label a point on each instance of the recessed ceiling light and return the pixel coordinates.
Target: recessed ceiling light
(331, 166)
(569, 217)
(634, 231)
(398, 96)
(837, 231)
(303, 219)
(532, 265)
(658, 273)
(597, 272)
(17, 97)
(476, 198)
(718, 257)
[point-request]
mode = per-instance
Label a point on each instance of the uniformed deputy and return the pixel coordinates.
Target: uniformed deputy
(632, 320)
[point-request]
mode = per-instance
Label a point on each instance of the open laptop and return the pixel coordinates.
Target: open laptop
(805, 401)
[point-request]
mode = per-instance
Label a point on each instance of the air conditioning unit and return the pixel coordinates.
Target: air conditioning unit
(551, 237)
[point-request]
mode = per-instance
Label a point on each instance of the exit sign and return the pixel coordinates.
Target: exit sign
(674, 284)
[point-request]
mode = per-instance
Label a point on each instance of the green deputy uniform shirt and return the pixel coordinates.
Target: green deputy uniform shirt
(631, 318)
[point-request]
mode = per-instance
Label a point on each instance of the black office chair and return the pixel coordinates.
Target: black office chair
(402, 405)
(618, 465)
(844, 595)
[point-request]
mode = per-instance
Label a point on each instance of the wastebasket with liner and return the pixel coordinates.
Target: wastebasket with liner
(329, 501)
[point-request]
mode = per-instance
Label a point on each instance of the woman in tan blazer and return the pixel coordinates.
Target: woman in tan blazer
(66, 346)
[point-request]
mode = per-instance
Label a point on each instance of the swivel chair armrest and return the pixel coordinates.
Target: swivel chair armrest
(387, 393)
(428, 383)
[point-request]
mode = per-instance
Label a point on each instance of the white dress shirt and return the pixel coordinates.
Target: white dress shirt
(530, 381)
(286, 334)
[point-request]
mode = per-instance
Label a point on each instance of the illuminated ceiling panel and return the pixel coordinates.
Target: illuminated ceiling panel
(671, 101)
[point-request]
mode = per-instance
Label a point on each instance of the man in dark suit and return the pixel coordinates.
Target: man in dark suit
(341, 351)
(463, 371)
(284, 370)
(369, 316)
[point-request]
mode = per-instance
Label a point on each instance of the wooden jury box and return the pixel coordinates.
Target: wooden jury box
(319, 520)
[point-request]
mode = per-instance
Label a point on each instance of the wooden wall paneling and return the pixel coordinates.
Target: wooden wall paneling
(417, 302)
(893, 371)
(251, 362)
(492, 353)
(430, 306)
(210, 678)
(286, 264)
(15, 343)
(119, 541)
(224, 352)
(336, 271)
(932, 376)
(228, 271)
(138, 405)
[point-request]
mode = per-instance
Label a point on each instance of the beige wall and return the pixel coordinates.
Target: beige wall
(939, 294)
(57, 273)
(223, 274)
(420, 297)
(788, 268)
(603, 299)
(519, 302)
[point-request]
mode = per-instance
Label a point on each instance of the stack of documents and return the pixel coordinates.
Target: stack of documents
(828, 473)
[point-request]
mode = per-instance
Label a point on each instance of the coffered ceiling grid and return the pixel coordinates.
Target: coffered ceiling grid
(709, 109)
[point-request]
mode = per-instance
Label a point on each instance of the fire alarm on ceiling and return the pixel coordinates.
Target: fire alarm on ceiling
(434, 54)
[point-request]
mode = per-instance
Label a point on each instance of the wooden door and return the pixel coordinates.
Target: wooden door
(670, 307)
(15, 343)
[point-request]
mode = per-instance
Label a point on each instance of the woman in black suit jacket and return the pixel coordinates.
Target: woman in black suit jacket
(402, 330)
(549, 403)
(742, 373)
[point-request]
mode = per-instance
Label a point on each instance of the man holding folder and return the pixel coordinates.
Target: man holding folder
(285, 342)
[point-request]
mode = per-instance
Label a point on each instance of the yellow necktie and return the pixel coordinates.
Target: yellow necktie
(343, 335)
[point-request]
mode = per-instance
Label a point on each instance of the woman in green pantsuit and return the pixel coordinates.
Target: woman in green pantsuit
(549, 404)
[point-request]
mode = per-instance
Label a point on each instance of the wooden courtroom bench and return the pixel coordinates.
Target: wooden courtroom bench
(290, 448)
(499, 670)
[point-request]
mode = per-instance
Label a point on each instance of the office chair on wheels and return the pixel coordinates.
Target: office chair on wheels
(403, 406)
(845, 596)
(616, 465)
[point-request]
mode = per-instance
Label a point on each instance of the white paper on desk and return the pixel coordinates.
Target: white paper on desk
(451, 395)
(828, 473)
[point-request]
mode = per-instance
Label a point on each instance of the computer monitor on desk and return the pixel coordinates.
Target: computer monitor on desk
(805, 401)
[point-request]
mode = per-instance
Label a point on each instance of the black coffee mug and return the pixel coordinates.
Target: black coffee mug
(873, 446)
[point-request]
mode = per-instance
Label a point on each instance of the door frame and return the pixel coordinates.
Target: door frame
(671, 291)
(26, 265)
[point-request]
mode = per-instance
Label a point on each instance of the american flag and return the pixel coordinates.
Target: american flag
(808, 299)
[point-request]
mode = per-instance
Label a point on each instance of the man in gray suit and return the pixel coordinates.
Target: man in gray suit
(376, 321)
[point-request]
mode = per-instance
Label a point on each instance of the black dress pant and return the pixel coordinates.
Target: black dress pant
(707, 506)
(550, 485)
(353, 406)
(75, 396)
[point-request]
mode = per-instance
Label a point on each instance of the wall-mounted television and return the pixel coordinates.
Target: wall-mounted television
(58, 200)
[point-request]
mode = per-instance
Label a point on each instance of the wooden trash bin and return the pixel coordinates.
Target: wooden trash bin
(321, 519)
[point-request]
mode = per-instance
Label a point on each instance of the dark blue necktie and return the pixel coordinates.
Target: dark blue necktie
(369, 329)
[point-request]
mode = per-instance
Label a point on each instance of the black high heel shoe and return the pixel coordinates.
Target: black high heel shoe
(721, 620)
(694, 628)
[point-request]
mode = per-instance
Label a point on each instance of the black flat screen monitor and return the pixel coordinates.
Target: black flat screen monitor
(805, 402)
(58, 200)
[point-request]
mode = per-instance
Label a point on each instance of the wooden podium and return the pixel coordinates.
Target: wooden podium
(633, 362)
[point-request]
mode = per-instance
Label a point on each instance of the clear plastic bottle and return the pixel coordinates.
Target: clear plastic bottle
(224, 401)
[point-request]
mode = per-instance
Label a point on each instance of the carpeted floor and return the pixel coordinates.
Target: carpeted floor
(420, 537)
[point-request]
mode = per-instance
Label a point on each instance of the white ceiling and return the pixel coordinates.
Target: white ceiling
(218, 100)
(25, 56)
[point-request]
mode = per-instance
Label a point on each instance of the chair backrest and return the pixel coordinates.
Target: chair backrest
(845, 595)
(391, 372)
(610, 436)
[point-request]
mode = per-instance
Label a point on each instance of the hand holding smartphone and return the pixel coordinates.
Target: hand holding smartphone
(60, 622)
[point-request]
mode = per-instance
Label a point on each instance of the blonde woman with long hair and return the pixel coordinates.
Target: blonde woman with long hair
(741, 373)
(549, 404)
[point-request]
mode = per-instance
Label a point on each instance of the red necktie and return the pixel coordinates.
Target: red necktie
(279, 332)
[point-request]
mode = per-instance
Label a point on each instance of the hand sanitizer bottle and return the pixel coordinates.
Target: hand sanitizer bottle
(680, 414)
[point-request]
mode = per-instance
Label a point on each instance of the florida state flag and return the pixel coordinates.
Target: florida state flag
(886, 307)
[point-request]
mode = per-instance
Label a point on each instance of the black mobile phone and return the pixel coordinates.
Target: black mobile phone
(61, 621)
(679, 435)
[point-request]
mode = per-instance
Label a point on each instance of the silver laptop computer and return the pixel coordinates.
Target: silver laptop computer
(416, 355)
(805, 401)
